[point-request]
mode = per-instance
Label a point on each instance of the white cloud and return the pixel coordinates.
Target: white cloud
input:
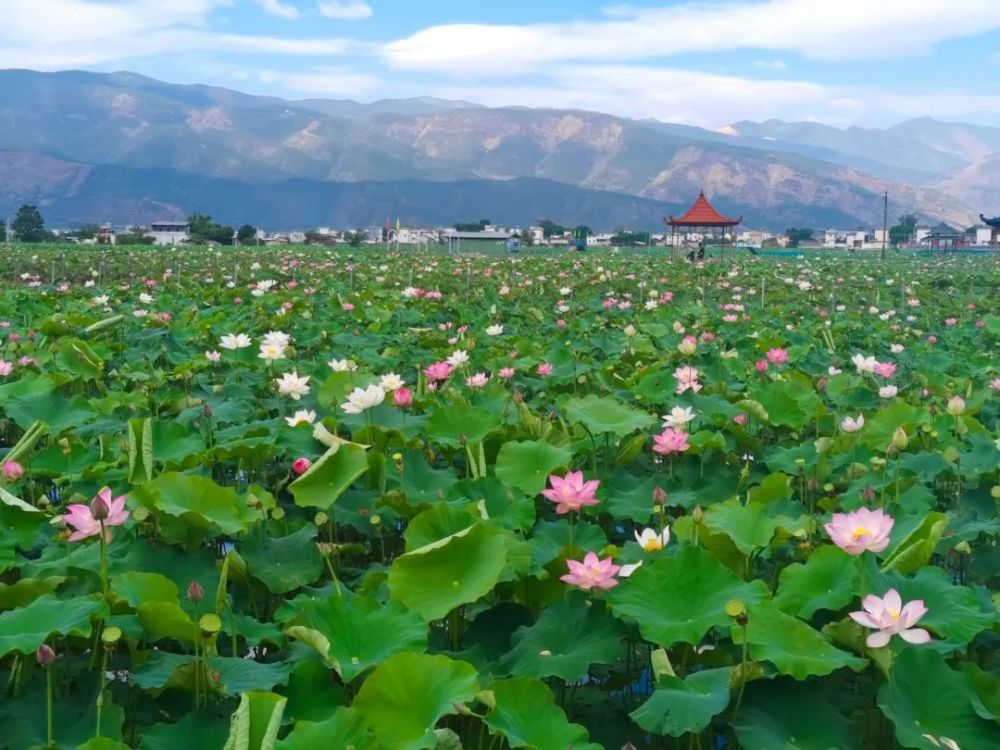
(59, 34)
(843, 30)
(709, 100)
(280, 9)
(345, 10)
(770, 64)
(336, 81)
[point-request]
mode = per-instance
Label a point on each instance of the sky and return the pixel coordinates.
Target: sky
(706, 63)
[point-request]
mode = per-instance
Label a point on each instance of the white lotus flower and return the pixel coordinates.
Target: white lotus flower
(271, 352)
(679, 416)
(277, 338)
(301, 416)
(290, 384)
(458, 358)
(494, 330)
(864, 364)
(231, 342)
(650, 541)
(888, 391)
(362, 399)
(391, 382)
(213, 356)
(850, 424)
(342, 365)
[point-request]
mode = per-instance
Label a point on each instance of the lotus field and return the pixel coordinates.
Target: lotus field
(299, 500)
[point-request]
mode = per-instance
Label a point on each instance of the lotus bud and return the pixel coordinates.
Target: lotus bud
(207, 411)
(301, 465)
(99, 508)
(900, 439)
(195, 592)
(659, 496)
(956, 406)
(697, 515)
(45, 655)
(868, 494)
(403, 398)
(325, 548)
(12, 471)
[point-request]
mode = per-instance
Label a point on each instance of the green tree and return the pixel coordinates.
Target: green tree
(356, 238)
(3, 230)
(581, 231)
(203, 230)
(527, 239)
(28, 225)
(246, 233)
(472, 226)
(798, 235)
(550, 228)
(135, 235)
(903, 231)
(627, 238)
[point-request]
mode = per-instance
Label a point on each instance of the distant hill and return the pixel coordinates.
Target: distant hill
(168, 142)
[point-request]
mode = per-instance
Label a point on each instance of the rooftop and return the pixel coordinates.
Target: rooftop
(703, 214)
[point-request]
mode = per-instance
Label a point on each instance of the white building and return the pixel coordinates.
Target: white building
(297, 238)
(169, 232)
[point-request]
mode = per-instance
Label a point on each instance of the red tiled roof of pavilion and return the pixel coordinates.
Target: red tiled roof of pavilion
(701, 214)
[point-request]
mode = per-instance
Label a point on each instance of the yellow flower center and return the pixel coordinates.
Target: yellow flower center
(652, 545)
(893, 613)
(860, 532)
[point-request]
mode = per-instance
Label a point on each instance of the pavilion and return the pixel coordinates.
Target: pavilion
(702, 218)
(994, 225)
(943, 237)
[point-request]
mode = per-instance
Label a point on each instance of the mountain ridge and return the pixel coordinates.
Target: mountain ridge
(134, 122)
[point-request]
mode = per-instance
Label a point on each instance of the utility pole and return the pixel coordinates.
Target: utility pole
(885, 222)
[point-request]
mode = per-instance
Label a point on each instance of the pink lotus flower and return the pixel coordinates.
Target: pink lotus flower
(670, 441)
(544, 369)
(403, 398)
(508, 372)
(12, 471)
(740, 419)
(888, 616)
(87, 519)
(995, 384)
(777, 356)
(860, 530)
(571, 492)
(591, 573)
(347, 307)
(438, 371)
(761, 365)
(687, 379)
(479, 380)
(6, 368)
(885, 369)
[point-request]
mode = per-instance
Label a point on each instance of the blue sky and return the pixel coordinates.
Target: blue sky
(706, 63)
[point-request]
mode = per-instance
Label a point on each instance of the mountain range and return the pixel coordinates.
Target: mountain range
(120, 147)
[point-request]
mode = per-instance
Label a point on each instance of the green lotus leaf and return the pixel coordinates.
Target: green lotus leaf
(791, 645)
(197, 730)
(456, 425)
(284, 563)
(827, 580)
(915, 551)
(437, 523)
(792, 716)
(330, 476)
(256, 722)
(526, 465)
(602, 414)
(103, 743)
(312, 694)
(167, 620)
(25, 591)
(198, 501)
(924, 697)
(680, 597)
(953, 612)
(346, 728)
(679, 706)
(406, 695)
(25, 629)
(459, 569)
(569, 636)
(749, 526)
(360, 632)
(513, 510)
(525, 714)
(137, 588)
